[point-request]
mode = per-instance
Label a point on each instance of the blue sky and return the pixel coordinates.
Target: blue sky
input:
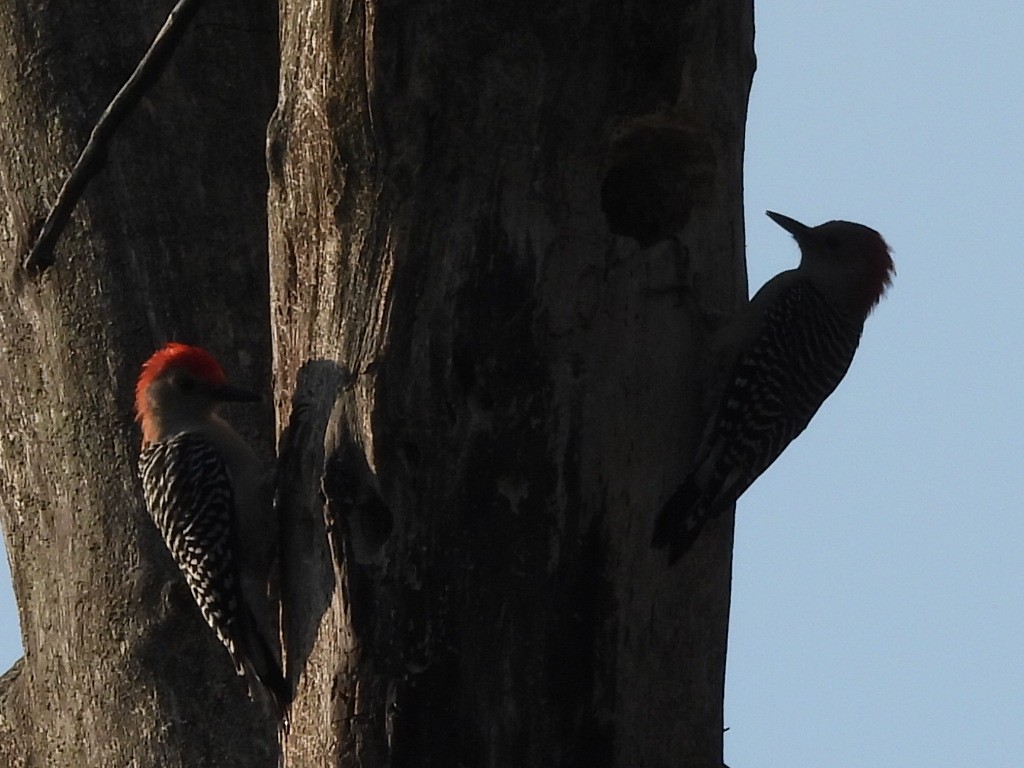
(878, 615)
(879, 564)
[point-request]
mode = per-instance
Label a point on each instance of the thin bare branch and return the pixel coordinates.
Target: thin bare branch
(41, 257)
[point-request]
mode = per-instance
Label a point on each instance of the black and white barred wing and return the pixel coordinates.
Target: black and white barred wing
(804, 351)
(800, 355)
(189, 496)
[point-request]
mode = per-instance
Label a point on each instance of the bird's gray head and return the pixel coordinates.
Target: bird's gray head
(181, 384)
(848, 262)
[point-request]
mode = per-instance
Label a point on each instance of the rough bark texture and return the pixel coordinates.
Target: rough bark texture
(168, 243)
(478, 215)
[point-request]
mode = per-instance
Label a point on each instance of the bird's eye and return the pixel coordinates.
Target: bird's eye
(186, 383)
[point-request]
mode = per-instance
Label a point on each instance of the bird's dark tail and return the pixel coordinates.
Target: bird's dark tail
(680, 521)
(260, 664)
(273, 680)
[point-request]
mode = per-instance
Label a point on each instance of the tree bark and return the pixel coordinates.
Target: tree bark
(480, 217)
(488, 222)
(169, 242)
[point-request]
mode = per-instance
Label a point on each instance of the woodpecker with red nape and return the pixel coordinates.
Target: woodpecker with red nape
(208, 494)
(787, 352)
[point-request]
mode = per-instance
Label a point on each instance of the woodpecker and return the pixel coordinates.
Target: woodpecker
(786, 353)
(207, 493)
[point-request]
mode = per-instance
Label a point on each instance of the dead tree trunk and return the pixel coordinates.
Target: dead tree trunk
(481, 215)
(169, 242)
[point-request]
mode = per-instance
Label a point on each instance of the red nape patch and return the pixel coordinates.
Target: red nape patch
(195, 360)
(882, 271)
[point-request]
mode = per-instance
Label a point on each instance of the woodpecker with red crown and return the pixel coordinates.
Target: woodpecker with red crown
(208, 494)
(786, 352)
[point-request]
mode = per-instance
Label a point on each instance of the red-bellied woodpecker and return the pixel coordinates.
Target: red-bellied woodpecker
(786, 353)
(207, 493)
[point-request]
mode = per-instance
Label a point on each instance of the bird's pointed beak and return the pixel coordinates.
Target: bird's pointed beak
(229, 394)
(794, 227)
